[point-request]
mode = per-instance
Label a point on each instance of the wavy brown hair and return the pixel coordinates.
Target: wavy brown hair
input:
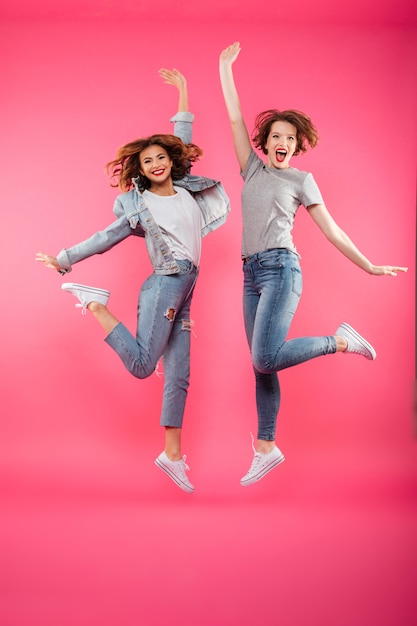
(126, 165)
(306, 131)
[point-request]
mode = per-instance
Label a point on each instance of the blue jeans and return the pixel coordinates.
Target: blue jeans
(164, 329)
(272, 290)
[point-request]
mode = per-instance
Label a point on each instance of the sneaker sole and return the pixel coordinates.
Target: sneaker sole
(263, 472)
(173, 477)
(85, 289)
(360, 339)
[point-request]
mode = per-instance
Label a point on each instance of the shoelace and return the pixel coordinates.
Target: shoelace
(83, 306)
(184, 464)
(253, 443)
(183, 467)
(257, 458)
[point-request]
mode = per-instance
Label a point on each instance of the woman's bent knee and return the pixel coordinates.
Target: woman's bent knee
(140, 371)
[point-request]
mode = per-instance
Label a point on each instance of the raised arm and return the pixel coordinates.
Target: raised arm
(239, 131)
(183, 119)
(345, 245)
(175, 78)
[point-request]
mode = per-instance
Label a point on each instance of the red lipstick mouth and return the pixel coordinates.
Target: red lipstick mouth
(281, 153)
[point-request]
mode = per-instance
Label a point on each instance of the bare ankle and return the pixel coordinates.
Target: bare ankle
(173, 456)
(341, 344)
(94, 307)
(264, 446)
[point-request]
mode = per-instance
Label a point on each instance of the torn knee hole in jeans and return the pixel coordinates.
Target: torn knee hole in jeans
(170, 314)
(186, 325)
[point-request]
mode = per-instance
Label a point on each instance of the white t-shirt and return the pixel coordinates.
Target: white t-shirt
(180, 221)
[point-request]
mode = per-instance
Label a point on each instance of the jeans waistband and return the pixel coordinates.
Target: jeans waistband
(258, 255)
(186, 266)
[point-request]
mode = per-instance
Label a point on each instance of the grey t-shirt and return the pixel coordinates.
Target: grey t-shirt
(270, 200)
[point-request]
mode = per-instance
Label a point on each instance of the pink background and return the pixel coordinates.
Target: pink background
(91, 532)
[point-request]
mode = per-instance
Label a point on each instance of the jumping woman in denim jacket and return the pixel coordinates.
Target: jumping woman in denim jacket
(271, 195)
(172, 210)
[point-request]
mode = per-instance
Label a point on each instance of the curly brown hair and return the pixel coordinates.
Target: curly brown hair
(126, 165)
(306, 131)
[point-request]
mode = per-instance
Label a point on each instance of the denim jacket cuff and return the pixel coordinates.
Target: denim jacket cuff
(64, 262)
(183, 116)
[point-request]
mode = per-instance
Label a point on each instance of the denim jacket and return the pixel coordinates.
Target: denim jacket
(134, 218)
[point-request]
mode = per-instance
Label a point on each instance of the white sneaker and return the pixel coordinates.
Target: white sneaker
(176, 471)
(356, 343)
(261, 465)
(86, 294)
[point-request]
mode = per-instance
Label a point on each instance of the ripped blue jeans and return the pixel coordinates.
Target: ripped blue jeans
(272, 290)
(164, 329)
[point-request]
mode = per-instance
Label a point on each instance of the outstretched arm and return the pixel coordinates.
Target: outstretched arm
(345, 245)
(98, 243)
(239, 131)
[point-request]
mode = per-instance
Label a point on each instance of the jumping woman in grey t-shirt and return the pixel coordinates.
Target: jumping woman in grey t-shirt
(271, 195)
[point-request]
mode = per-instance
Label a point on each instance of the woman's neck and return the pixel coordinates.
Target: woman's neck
(165, 189)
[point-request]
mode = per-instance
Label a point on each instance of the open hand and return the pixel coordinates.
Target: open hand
(47, 260)
(173, 77)
(230, 54)
(387, 270)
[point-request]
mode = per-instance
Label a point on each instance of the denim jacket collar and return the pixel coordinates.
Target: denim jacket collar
(210, 197)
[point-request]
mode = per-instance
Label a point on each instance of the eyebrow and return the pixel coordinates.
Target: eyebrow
(157, 154)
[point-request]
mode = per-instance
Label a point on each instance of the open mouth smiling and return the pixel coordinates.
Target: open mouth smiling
(281, 153)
